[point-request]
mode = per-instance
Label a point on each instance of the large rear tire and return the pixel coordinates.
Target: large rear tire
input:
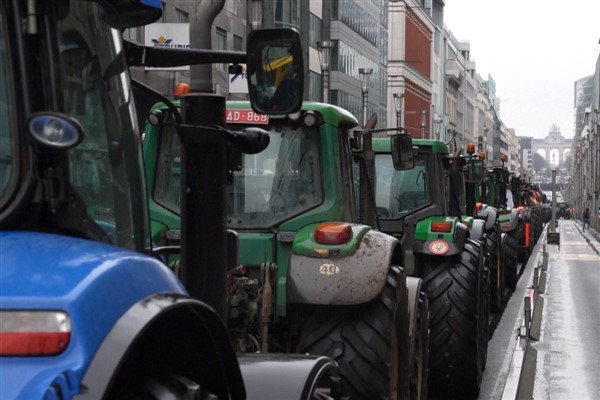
(496, 271)
(145, 386)
(536, 223)
(456, 322)
(420, 349)
(523, 249)
(510, 260)
(370, 342)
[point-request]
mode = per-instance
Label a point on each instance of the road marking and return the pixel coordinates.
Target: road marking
(580, 257)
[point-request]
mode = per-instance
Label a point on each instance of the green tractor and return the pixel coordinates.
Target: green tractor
(500, 245)
(563, 210)
(425, 208)
(527, 200)
(312, 276)
(534, 199)
(494, 194)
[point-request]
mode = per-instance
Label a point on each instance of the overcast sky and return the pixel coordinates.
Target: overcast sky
(534, 50)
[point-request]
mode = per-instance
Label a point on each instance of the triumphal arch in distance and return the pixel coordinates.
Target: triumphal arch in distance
(554, 148)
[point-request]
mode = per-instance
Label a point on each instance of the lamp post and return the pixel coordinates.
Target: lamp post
(595, 222)
(255, 14)
(367, 166)
(364, 87)
(325, 61)
(398, 100)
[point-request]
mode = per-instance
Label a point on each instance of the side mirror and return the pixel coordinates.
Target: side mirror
(475, 171)
(402, 151)
(275, 71)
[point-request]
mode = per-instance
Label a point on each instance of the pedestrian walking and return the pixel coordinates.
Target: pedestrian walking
(586, 218)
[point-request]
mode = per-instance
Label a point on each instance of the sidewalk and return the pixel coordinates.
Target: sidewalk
(590, 233)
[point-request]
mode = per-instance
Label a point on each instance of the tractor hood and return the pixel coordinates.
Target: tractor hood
(91, 282)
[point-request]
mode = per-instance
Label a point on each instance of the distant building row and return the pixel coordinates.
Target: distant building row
(423, 78)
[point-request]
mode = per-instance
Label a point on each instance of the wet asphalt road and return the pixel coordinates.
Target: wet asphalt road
(568, 362)
(568, 352)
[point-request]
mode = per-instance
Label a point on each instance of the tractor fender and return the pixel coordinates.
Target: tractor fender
(286, 376)
(343, 280)
(197, 346)
(477, 229)
(488, 214)
(509, 220)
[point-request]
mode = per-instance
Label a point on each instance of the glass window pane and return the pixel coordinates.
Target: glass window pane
(7, 155)
(181, 16)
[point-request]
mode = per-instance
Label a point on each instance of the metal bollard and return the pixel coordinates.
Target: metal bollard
(527, 312)
(542, 282)
(545, 256)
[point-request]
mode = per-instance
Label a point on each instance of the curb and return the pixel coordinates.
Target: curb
(520, 380)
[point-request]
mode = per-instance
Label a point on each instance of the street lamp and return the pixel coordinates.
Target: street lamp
(255, 14)
(364, 87)
(324, 47)
(398, 99)
(367, 166)
(423, 123)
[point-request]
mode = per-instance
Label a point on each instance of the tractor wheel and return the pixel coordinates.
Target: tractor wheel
(537, 220)
(496, 271)
(523, 252)
(456, 321)
(509, 259)
(484, 303)
(370, 342)
(420, 349)
(160, 387)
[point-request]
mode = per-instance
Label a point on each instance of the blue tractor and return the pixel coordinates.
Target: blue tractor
(87, 308)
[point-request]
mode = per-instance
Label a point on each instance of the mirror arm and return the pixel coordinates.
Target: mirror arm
(149, 56)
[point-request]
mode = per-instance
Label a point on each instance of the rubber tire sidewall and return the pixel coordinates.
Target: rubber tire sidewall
(510, 261)
(358, 338)
(454, 287)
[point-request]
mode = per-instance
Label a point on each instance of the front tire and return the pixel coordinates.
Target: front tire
(370, 342)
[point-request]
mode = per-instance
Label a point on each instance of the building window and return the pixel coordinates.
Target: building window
(238, 43)
(383, 46)
(287, 13)
(222, 45)
(163, 6)
(133, 34)
(181, 16)
(357, 19)
(315, 32)
(315, 85)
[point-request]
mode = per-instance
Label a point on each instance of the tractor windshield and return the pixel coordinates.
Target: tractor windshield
(105, 168)
(280, 182)
(8, 162)
(398, 193)
(274, 185)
